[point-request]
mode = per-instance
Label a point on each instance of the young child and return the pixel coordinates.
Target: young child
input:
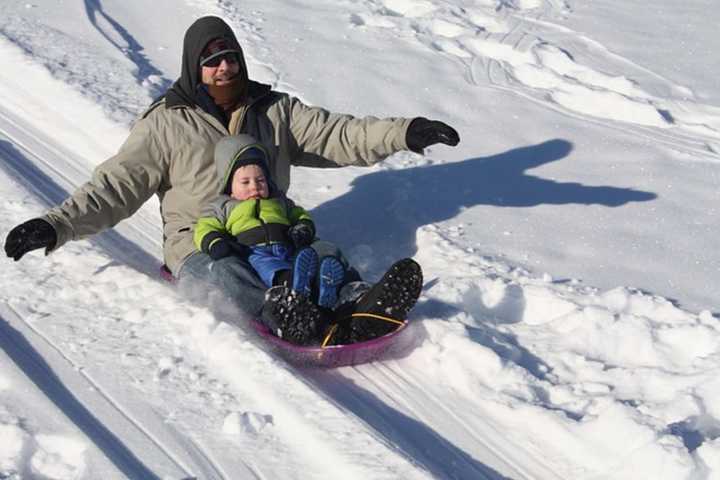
(251, 218)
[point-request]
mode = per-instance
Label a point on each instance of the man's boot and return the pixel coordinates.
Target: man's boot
(293, 316)
(382, 308)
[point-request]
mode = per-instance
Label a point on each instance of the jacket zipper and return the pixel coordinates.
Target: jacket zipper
(241, 120)
(262, 222)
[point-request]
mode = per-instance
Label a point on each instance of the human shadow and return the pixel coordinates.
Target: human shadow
(33, 365)
(133, 50)
(22, 169)
(398, 202)
(416, 440)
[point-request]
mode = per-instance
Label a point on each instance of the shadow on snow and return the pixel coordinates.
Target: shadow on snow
(133, 50)
(32, 364)
(398, 202)
(417, 441)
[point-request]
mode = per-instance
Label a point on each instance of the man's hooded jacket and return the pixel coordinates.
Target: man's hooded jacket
(169, 152)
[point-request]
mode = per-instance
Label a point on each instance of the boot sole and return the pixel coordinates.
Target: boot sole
(332, 275)
(304, 271)
(393, 296)
(297, 318)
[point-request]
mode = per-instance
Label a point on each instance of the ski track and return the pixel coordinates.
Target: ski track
(36, 162)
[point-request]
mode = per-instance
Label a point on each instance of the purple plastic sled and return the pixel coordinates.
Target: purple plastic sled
(327, 357)
(335, 355)
(166, 274)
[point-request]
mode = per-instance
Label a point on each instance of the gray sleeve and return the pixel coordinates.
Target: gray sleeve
(328, 139)
(117, 189)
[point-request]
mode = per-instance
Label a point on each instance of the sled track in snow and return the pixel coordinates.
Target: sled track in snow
(390, 376)
(369, 391)
(19, 339)
(28, 156)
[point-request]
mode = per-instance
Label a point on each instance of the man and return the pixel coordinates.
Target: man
(169, 153)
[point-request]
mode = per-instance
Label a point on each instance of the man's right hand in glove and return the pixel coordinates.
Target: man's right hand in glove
(28, 236)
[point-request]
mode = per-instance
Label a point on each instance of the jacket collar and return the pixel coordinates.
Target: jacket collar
(177, 99)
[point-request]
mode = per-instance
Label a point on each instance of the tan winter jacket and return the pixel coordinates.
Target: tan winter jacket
(169, 153)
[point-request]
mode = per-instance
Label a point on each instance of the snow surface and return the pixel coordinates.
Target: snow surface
(569, 327)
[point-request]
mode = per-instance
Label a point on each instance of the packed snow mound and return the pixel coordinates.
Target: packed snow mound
(564, 361)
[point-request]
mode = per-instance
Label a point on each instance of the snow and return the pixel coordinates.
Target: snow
(569, 326)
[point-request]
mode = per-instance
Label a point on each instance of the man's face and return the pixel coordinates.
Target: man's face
(249, 182)
(225, 71)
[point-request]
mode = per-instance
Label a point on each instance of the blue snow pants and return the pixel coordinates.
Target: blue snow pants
(269, 259)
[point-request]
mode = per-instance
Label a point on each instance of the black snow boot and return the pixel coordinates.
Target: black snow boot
(293, 316)
(392, 297)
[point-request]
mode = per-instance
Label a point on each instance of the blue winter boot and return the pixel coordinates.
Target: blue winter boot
(305, 269)
(332, 275)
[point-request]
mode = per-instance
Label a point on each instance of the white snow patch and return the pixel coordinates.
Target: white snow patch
(58, 457)
(13, 441)
(410, 8)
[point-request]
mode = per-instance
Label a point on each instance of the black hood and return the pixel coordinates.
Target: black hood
(198, 35)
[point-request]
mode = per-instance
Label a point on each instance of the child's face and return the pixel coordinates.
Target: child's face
(249, 182)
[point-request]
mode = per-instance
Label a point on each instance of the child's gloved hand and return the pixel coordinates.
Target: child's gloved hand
(302, 233)
(226, 247)
(220, 249)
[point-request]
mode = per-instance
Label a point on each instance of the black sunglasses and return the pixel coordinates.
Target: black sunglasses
(216, 59)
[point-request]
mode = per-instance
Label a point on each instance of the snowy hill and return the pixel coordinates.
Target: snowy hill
(569, 327)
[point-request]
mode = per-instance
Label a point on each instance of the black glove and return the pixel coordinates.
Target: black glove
(422, 133)
(226, 247)
(302, 233)
(31, 235)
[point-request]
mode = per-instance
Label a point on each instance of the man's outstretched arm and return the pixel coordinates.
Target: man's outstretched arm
(330, 139)
(118, 188)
